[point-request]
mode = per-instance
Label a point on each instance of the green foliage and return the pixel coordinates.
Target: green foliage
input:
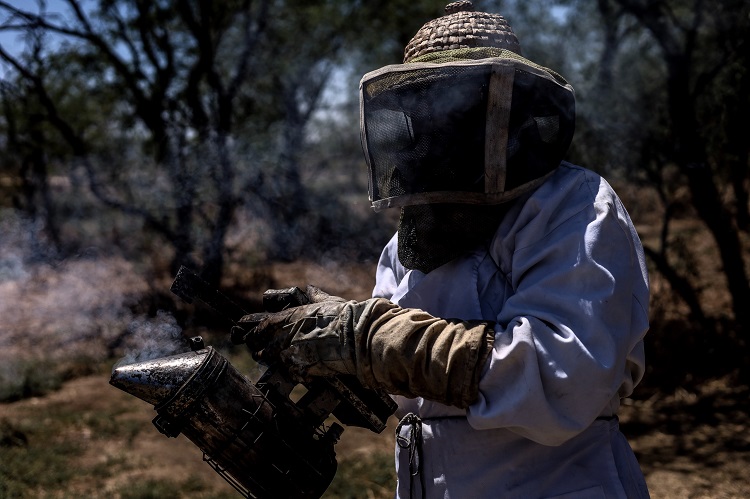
(42, 461)
(25, 378)
(373, 476)
(37, 468)
(167, 489)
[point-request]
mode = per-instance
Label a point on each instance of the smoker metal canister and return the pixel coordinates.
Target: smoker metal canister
(263, 448)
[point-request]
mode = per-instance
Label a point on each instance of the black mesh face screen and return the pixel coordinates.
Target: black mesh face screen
(427, 134)
(542, 121)
(431, 235)
(429, 137)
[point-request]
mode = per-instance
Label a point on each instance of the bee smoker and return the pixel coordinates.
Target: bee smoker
(253, 434)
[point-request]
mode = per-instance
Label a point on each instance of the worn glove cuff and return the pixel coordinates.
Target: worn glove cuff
(409, 352)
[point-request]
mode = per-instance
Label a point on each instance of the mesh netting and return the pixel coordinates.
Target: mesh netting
(433, 234)
(426, 128)
(415, 139)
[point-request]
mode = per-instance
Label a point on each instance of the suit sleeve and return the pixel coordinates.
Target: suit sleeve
(389, 271)
(568, 341)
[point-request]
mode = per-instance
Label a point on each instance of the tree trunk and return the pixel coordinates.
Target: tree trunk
(37, 204)
(691, 157)
(285, 193)
(213, 250)
(690, 152)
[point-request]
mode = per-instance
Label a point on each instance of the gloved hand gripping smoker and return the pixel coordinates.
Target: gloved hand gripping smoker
(253, 434)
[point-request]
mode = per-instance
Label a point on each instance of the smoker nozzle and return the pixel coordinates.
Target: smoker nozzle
(156, 380)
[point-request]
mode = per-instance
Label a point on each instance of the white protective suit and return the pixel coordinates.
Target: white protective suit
(565, 280)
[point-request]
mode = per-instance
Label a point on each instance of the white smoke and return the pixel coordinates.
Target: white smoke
(74, 313)
(152, 338)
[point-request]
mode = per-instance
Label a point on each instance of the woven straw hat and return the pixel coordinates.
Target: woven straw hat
(462, 27)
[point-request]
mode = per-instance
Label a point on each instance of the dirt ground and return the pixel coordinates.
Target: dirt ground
(691, 444)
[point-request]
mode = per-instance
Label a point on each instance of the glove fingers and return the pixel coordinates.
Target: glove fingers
(249, 326)
(250, 321)
(317, 295)
(264, 330)
(304, 362)
(268, 330)
(276, 300)
(274, 334)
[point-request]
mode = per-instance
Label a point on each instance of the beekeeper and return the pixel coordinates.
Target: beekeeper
(509, 309)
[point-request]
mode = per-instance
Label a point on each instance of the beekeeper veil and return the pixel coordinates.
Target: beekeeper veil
(464, 125)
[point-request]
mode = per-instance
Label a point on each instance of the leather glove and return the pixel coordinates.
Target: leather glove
(402, 351)
(271, 333)
(276, 300)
